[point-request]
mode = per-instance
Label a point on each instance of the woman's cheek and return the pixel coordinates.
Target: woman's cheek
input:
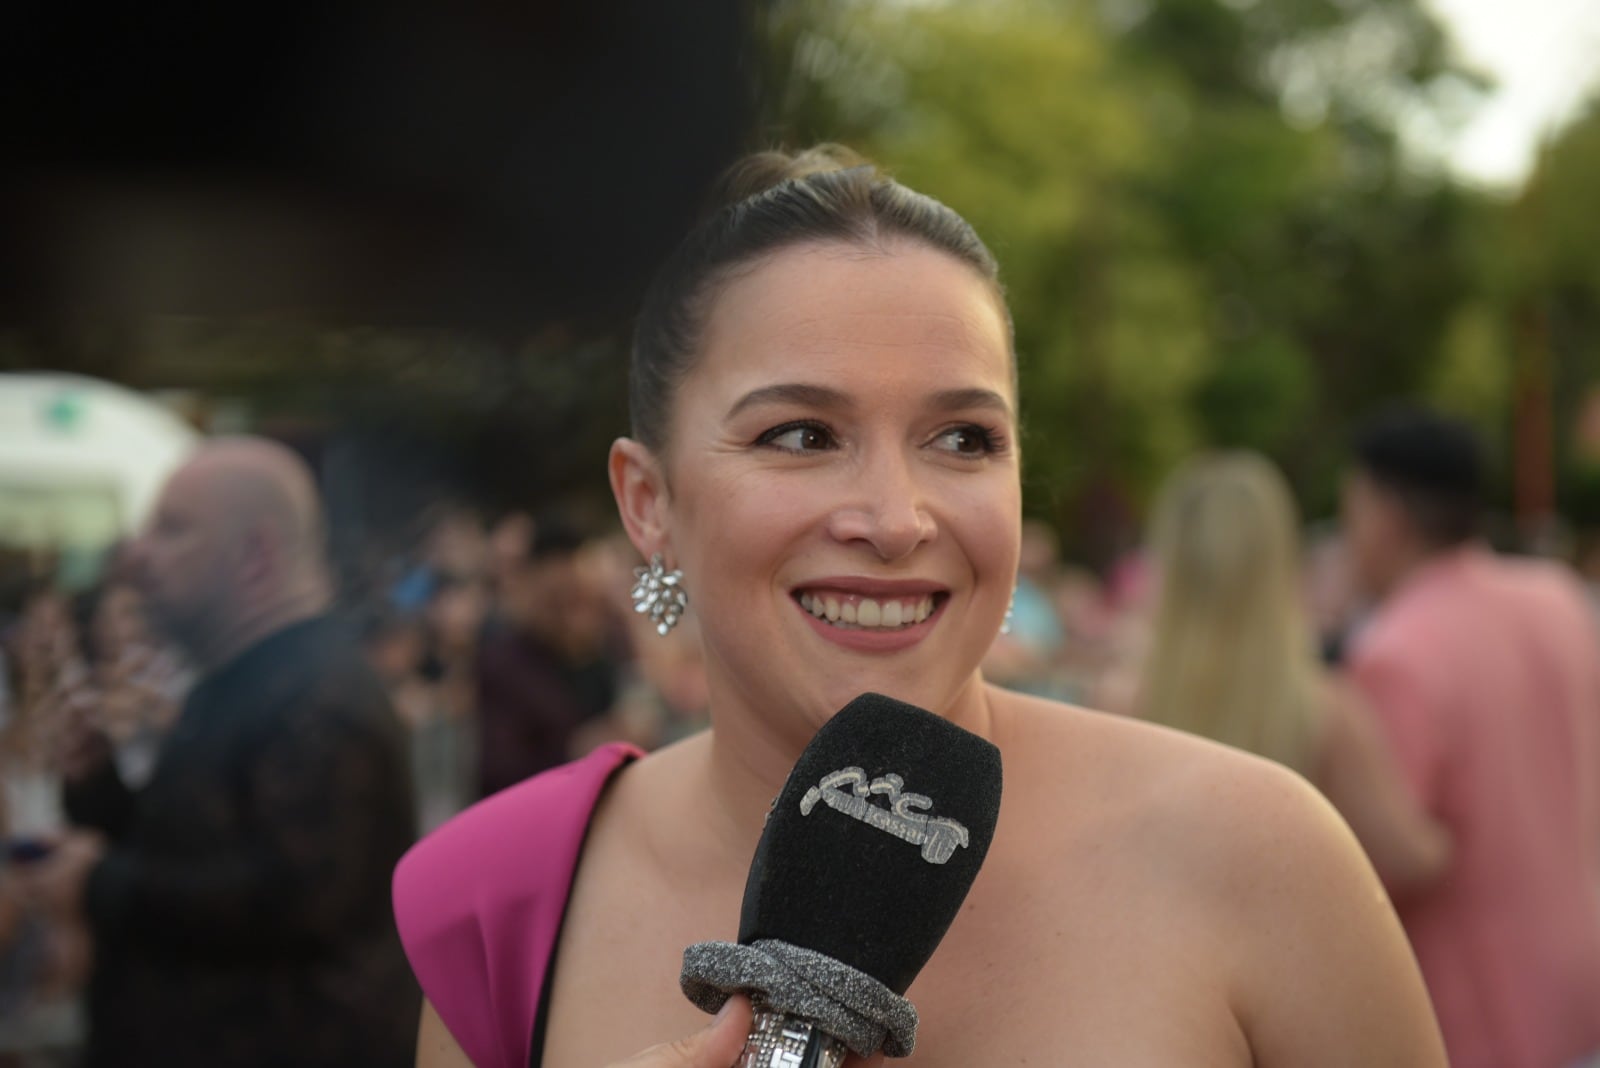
(988, 520)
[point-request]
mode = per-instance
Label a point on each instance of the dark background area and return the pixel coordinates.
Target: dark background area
(410, 234)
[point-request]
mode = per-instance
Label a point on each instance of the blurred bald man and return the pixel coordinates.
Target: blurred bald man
(239, 902)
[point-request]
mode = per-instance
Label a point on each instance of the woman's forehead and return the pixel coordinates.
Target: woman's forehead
(867, 316)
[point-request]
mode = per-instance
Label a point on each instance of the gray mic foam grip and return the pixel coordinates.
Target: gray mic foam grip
(848, 1004)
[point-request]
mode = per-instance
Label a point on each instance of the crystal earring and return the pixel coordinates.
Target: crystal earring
(1011, 611)
(660, 593)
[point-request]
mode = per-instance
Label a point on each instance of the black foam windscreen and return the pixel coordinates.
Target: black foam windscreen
(878, 834)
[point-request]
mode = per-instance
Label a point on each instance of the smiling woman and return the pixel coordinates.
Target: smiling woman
(825, 446)
(847, 431)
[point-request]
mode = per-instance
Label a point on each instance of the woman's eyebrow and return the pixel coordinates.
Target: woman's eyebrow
(813, 396)
(792, 393)
(959, 399)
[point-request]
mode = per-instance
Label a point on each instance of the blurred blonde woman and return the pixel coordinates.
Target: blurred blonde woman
(1231, 653)
(1232, 656)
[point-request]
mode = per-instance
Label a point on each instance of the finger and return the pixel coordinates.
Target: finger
(728, 1032)
(874, 1061)
(717, 1046)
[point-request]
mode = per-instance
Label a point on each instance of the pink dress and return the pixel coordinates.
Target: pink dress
(479, 903)
(1485, 673)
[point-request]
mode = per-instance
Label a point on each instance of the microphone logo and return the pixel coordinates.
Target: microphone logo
(848, 791)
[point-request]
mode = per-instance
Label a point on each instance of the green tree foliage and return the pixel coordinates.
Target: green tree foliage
(1547, 275)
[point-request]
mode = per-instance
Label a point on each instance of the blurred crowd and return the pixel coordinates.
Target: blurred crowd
(505, 647)
(508, 644)
(85, 658)
(511, 645)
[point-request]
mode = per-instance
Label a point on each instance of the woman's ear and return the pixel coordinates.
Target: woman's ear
(640, 487)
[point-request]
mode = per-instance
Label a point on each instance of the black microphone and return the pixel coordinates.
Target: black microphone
(865, 860)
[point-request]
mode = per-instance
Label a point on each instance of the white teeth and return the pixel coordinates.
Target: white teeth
(864, 612)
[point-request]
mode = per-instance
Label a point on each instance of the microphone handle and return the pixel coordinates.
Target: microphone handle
(780, 1041)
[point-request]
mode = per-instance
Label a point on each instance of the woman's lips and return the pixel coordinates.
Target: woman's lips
(878, 619)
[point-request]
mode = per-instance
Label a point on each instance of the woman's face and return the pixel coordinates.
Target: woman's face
(841, 483)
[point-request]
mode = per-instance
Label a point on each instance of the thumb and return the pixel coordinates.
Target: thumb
(718, 1045)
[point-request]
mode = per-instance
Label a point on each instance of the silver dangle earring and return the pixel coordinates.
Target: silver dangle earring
(1011, 611)
(660, 593)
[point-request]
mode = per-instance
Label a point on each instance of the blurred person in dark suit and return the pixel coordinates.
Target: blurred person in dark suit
(1485, 674)
(239, 901)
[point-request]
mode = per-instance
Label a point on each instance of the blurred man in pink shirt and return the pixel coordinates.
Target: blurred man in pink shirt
(1485, 674)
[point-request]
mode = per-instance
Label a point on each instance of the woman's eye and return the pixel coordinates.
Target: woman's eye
(966, 441)
(798, 437)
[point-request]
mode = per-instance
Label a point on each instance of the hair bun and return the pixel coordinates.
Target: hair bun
(761, 171)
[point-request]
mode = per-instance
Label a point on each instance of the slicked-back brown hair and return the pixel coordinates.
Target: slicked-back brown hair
(771, 201)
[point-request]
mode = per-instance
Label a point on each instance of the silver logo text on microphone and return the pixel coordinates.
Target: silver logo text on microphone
(849, 791)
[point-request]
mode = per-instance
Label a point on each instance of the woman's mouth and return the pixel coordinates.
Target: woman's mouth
(851, 611)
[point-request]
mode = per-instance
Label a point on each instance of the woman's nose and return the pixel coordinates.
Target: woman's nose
(887, 510)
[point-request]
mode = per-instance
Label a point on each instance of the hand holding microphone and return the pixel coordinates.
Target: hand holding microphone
(717, 1045)
(866, 858)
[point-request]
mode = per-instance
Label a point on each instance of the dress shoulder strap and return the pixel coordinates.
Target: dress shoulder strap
(479, 903)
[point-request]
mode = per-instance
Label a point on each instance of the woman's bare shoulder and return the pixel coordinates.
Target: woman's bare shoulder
(1147, 767)
(1247, 849)
(1231, 833)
